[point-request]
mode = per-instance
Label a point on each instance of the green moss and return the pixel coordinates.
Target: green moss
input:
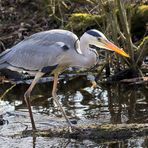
(139, 20)
(143, 10)
(79, 22)
(145, 40)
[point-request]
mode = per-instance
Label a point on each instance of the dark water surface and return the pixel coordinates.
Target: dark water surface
(116, 103)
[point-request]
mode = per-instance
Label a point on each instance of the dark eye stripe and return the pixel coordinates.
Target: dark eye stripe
(92, 48)
(93, 33)
(94, 51)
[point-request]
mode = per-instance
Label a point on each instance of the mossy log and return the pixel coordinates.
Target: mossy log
(138, 80)
(101, 132)
(80, 22)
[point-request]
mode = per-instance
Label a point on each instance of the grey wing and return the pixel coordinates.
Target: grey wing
(42, 49)
(34, 56)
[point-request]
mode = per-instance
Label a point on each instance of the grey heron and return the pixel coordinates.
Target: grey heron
(53, 52)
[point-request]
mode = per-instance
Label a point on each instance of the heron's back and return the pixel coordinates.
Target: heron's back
(40, 49)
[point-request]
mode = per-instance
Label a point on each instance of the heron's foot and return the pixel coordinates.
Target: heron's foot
(73, 128)
(72, 125)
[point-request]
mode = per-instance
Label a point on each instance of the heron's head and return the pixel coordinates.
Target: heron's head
(98, 39)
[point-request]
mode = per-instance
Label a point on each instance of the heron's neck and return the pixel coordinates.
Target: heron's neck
(84, 44)
(89, 56)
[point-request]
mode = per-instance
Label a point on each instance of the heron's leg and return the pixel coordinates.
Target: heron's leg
(27, 97)
(54, 95)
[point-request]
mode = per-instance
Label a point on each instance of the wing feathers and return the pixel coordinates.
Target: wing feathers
(41, 50)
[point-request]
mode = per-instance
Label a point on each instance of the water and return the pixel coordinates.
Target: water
(116, 103)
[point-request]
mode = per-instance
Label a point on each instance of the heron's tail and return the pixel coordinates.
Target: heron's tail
(3, 63)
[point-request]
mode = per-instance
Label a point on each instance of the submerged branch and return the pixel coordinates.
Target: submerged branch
(138, 80)
(101, 132)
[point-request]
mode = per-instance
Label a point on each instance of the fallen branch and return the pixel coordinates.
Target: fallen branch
(47, 79)
(138, 80)
(101, 132)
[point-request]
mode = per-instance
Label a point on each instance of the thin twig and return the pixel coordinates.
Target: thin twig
(4, 94)
(123, 19)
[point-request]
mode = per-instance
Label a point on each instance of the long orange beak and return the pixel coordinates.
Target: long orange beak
(112, 47)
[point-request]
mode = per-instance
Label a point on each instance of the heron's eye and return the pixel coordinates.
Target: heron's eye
(99, 39)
